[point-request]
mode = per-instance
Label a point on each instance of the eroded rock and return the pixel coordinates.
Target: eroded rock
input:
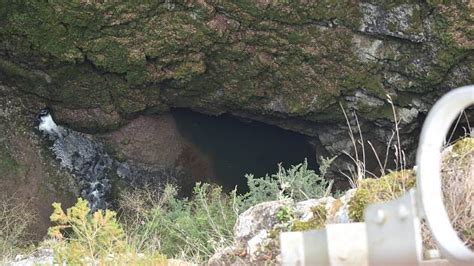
(283, 63)
(260, 217)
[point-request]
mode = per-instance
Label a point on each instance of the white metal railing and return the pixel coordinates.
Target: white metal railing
(432, 139)
(391, 233)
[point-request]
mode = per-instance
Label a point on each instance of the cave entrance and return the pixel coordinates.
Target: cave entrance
(233, 147)
(203, 148)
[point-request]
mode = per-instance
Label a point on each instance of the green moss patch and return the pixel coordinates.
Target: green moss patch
(317, 222)
(375, 190)
(463, 146)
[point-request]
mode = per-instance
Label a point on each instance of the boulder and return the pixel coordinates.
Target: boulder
(257, 229)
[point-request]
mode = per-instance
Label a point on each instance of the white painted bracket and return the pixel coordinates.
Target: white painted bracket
(337, 244)
(394, 232)
(391, 234)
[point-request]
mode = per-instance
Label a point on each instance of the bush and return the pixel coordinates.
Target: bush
(192, 229)
(297, 183)
(90, 238)
(195, 228)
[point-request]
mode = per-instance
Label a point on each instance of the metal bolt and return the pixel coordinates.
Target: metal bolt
(403, 212)
(380, 217)
(432, 254)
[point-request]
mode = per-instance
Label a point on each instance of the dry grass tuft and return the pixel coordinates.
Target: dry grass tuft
(458, 191)
(458, 188)
(15, 218)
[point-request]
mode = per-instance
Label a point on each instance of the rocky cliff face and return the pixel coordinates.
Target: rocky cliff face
(288, 63)
(30, 179)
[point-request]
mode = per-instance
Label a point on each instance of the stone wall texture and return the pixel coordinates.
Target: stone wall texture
(294, 64)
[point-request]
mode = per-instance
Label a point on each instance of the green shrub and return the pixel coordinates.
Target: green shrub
(89, 236)
(195, 228)
(190, 228)
(85, 238)
(297, 183)
(285, 214)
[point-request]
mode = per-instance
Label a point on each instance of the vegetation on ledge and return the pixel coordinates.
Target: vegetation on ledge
(153, 224)
(375, 190)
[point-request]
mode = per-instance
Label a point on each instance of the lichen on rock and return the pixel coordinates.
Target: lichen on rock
(316, 222)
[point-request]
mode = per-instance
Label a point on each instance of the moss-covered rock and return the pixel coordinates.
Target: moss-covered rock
(316, 222)
(301, 52)
(376, 190)
(463, 146)
(283, 62)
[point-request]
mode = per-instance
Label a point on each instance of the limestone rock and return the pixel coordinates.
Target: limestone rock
(259, 217)
(227, 256)
(256, 231)
(39, 257)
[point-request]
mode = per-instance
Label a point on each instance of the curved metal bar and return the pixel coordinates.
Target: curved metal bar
(433, 135)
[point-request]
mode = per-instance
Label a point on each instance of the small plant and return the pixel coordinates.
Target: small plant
(85, 238)
(458, 188)
(88, 236)
(297, 183)
(285, 214)
(359, 171)
(192, 229)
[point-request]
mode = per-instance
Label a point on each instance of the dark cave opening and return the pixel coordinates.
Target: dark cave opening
(234, 147)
